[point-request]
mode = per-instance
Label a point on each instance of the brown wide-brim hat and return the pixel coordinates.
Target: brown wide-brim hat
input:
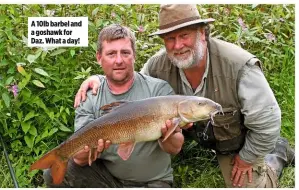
(175, 16)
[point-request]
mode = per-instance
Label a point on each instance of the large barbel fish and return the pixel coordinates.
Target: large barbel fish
(126, 124)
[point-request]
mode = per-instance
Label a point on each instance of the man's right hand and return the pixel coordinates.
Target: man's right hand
(92, 82)
(82, 157)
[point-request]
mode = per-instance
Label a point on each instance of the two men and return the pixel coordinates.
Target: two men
(150, 163)
(195, 64)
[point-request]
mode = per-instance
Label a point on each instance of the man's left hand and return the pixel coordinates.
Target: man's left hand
(239, 171)
(174, 142)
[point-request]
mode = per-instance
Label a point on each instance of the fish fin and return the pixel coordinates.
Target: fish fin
(92, 155)
(58, 171)
(53, 161)
(110, 107)
(125, 150)
(175, 123)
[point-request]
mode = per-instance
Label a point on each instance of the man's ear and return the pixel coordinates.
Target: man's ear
(99, 56)
(202, 33)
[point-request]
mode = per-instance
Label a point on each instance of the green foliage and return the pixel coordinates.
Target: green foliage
(194, 167)
(41, 116)
(6, 180)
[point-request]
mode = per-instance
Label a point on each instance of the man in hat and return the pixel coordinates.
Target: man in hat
(195, 64)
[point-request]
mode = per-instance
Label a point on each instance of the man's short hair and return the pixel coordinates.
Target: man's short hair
(115, 32)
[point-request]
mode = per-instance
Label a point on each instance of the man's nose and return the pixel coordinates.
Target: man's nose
(118, 59)
(178, 44)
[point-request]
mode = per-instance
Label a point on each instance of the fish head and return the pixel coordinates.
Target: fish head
(198, 108)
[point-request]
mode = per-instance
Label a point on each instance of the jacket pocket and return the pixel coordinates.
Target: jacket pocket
(227, 125)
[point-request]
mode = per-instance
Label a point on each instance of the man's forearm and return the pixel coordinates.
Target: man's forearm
(264, 130)
(262, 115)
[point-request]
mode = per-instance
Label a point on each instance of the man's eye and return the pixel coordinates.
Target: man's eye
(126, 53)
(185, 35)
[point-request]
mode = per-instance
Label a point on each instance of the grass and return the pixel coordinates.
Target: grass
(195, 167)
(5, 178)
(198, 168)
(288, 178)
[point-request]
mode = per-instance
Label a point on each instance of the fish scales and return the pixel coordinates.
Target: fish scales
(135, 119)
(130, 122)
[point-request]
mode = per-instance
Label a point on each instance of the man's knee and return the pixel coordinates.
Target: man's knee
(159, 184)
(262, 175)
(47, 177)
(49, 180)
(69, 177)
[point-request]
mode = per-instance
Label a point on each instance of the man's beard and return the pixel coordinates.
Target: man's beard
(197, 55)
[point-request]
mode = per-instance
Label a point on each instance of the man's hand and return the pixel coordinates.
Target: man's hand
(239, 171)
(92, 82)
(173, 144)
(82, 157)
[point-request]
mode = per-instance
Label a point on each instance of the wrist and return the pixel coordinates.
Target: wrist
(241, 161)
(80, 162)
(247, 157)
(173, 144)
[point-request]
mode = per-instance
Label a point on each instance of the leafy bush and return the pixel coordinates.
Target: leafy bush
(38, 84)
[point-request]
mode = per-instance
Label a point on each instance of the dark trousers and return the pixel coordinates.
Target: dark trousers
(96, 176)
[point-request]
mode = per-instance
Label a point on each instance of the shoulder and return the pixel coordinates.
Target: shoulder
(153, 85)
(150, 80)
(159, 55)
(95, 97)
(219, 46)
(88, 104)
(159, 61)
(229, 51)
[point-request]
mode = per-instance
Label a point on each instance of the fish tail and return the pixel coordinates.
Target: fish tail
(56, 164)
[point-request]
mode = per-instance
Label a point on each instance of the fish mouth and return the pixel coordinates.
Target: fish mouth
(212, 114)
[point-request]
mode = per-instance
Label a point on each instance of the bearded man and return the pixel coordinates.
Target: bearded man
(246, 137)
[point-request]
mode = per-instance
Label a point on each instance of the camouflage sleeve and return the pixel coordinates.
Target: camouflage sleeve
(262, 115)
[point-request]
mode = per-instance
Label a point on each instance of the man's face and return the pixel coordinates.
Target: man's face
(185, 47)
(117, 60)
